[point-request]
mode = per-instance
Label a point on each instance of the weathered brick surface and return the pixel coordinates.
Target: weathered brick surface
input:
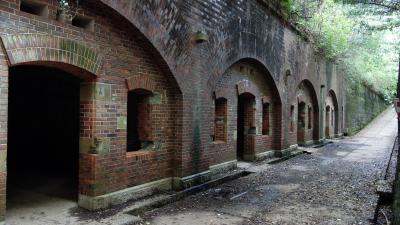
(148, 44)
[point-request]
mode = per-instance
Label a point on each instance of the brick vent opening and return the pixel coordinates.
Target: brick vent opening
(83, 22)
(34, 7)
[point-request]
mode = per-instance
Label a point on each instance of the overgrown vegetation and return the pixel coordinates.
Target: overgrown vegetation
(360, 35)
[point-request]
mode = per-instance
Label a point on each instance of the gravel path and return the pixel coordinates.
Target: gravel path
(334, 184)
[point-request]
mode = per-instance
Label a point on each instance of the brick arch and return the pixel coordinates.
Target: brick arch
(307, 84)
(230, 49)
(300, 98)
(149, 20)
(221, 93)
(140, 82)
(245, 86)
(51, 50)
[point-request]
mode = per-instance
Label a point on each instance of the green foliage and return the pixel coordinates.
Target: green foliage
(287, 5)
(363, 38)
(333, 29)
(325, 24)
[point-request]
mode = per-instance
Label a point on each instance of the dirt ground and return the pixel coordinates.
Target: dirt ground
(334, 185)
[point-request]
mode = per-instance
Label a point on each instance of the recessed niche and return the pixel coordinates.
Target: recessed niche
(83, 22)
(34, 7)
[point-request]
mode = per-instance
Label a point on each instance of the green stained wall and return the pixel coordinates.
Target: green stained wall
(362, 105)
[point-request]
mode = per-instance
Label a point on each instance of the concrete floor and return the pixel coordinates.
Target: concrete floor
(37, 199)
(45, 201)
(333, 185)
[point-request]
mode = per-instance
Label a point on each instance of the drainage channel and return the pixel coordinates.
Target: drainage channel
(160, 202)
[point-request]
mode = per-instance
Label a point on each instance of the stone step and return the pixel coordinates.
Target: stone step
(384, 187)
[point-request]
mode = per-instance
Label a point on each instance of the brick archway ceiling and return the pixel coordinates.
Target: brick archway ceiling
(313, 94)
(49, 49)
(139, 14)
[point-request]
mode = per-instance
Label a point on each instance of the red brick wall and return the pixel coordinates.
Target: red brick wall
(123, 52)
(232, 37)
(3, 129)
(157, 46)
(249, 78)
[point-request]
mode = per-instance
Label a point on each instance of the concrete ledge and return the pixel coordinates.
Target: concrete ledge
(339, 135)
(119, 197)
(286, 152)
(223, 167)
(180, 183)
(265, 155)
(308, 143)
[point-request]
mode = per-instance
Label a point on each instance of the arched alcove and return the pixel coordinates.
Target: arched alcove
(307, 109)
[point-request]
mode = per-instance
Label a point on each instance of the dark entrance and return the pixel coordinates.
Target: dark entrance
(327, 121)
(245, 126)
(301, 122)
(43, 134)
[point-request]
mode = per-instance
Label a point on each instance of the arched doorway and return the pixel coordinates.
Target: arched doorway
(43, 137)
(246, 128)
(307, 114)
(327, 120)
(301, 122)
(331, 115)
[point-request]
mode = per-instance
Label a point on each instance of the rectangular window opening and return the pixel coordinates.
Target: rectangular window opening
(265, 121)
(309, 117)
(139, 129)
(291, 118)
(220, 122)
(34, 7)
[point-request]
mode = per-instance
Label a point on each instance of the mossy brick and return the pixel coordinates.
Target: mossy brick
(121, 122)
